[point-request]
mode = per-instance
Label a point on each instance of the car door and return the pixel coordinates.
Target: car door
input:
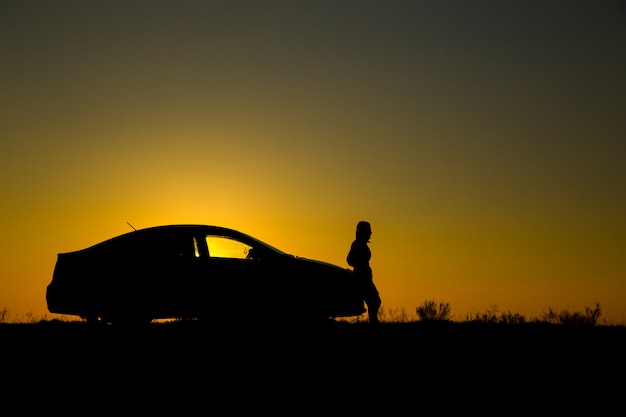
(170, 284)
(234, 278)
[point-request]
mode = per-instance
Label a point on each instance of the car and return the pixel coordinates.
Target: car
(195, 271)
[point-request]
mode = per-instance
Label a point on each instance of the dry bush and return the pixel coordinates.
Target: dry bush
(5, 314)
(493, 315)
(395, 315)
(430, 310)
(565, 317)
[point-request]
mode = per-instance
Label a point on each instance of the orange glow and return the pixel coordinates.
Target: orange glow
(486, 154)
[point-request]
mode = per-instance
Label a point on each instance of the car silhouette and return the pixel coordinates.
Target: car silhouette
(190, 271)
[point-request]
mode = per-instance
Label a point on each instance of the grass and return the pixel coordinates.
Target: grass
(30, 317)
(428, 311)
(433, 311)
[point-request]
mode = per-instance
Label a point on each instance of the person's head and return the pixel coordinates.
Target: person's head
(363, 231)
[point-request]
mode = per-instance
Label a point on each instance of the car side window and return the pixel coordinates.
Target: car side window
(196, 249)
(222, 247)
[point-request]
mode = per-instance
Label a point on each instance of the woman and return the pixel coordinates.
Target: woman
(359, 259)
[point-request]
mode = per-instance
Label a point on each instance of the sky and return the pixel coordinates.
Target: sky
(483, 140)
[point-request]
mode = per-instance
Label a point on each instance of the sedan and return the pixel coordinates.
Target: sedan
(190, 271)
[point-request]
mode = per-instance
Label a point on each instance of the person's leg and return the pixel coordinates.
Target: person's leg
(373, 315)
(373, 302)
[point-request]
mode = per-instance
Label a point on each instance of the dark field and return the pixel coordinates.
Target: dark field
(330, 368)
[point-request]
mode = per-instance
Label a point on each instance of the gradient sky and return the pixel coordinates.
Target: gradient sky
(483, 140)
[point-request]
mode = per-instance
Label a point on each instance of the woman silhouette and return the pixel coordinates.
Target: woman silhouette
(359, 259)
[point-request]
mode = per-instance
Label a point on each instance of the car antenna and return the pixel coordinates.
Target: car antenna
(131, 226)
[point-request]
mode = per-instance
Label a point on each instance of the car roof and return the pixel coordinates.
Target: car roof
(139, 235)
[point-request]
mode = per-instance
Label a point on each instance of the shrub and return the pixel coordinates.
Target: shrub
(433, 311)
(393, 315)
(4, 315)
(493, 315)
(589, 317)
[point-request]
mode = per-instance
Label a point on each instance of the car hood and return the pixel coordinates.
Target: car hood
(321, 264)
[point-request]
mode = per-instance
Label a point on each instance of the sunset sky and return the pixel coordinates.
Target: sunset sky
(483, 140)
